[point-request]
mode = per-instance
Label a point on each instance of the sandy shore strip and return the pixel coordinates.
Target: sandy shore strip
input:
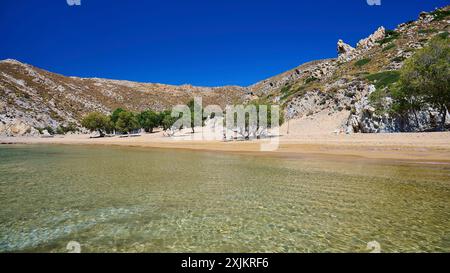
(408, 147)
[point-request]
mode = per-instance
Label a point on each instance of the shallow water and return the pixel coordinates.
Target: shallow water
(112, 199)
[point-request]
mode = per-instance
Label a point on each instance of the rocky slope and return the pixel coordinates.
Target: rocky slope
(32, 98)
(346, 84)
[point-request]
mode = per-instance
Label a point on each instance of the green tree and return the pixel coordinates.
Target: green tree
(258, 128)
(192, 105)
(127, 122)
(167, 120)
(111, 127)
(115, 115)
(71, 127)
(148, 120)
(161, 116)
(425, 79)
(96, 122)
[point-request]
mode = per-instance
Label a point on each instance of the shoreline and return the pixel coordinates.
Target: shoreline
(422, 148)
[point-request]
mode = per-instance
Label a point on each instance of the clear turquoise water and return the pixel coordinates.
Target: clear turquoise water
(148, 200)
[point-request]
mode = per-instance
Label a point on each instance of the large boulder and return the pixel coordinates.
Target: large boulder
(16, 127)
(370, 41)
(345, 51)
(426, 17)
(343, 48)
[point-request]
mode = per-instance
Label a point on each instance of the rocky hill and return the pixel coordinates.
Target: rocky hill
(33, 98)
(346, 86)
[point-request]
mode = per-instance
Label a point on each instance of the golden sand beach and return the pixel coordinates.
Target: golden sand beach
(408, 147)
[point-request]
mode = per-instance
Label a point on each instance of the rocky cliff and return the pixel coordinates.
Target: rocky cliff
(347, 83)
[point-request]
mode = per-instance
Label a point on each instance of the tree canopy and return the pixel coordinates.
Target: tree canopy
(167, 120)
(127, 122)
(96, 122)
(115, 115)
(425, 79)
(148, 120)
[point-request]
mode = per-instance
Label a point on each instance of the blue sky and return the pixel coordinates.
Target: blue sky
(201, 42)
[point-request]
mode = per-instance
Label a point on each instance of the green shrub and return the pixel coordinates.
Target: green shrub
(390, 32)
(286, 89)
(389, 47)
(60, 131)
(363, 62)
(384, 79)
(50, 130)
(361, 74)
(399, 59)
(377, 99)
(292, 91)
(427, 31)
(443, 35)
(310, 79)
(70, 128)
(55, 116)
(391, 35)
(40, 130)
(440, 15)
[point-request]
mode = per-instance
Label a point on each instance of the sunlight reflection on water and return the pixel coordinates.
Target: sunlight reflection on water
(145, 200)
